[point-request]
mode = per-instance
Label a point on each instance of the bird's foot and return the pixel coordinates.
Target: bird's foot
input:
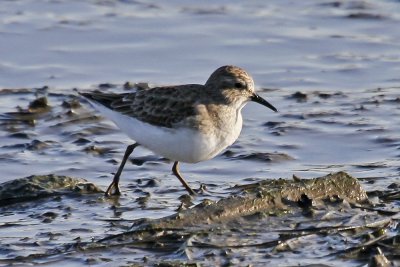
(112, 190)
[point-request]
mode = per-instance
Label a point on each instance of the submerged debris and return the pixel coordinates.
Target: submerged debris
(299, 96)
(260, 156)
(39, 105)
(71, 103)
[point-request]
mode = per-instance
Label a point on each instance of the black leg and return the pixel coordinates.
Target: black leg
(175, 170)
(113, 188)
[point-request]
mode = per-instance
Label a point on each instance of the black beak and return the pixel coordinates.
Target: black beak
(258, 99)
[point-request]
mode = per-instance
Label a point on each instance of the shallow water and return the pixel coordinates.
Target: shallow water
(343, 56)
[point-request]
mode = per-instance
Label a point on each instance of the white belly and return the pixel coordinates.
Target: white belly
(180, 144)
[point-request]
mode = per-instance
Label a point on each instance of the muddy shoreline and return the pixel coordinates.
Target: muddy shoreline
(335, 220)
(323, 208)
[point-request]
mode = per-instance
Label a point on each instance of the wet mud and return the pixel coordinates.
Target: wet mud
(270, 218)
(330, 67)
(34, 187)
(334, 219)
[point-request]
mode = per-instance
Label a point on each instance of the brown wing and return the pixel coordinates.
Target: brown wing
(161, 106)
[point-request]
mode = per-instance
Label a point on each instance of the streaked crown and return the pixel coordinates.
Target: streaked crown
(232, 81)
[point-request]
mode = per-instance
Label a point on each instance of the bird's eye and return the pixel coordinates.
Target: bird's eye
(239, 85)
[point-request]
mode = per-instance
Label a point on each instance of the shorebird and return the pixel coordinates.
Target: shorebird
(183, 123)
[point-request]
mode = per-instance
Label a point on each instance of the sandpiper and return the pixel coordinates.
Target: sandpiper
(183, 123)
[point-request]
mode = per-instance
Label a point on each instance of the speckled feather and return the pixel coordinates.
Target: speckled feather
(160, 106)
(171, 105)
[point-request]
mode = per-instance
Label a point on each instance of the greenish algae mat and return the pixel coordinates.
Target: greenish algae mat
(328, 220)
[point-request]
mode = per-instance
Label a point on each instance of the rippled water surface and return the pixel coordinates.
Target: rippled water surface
(330, 67)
